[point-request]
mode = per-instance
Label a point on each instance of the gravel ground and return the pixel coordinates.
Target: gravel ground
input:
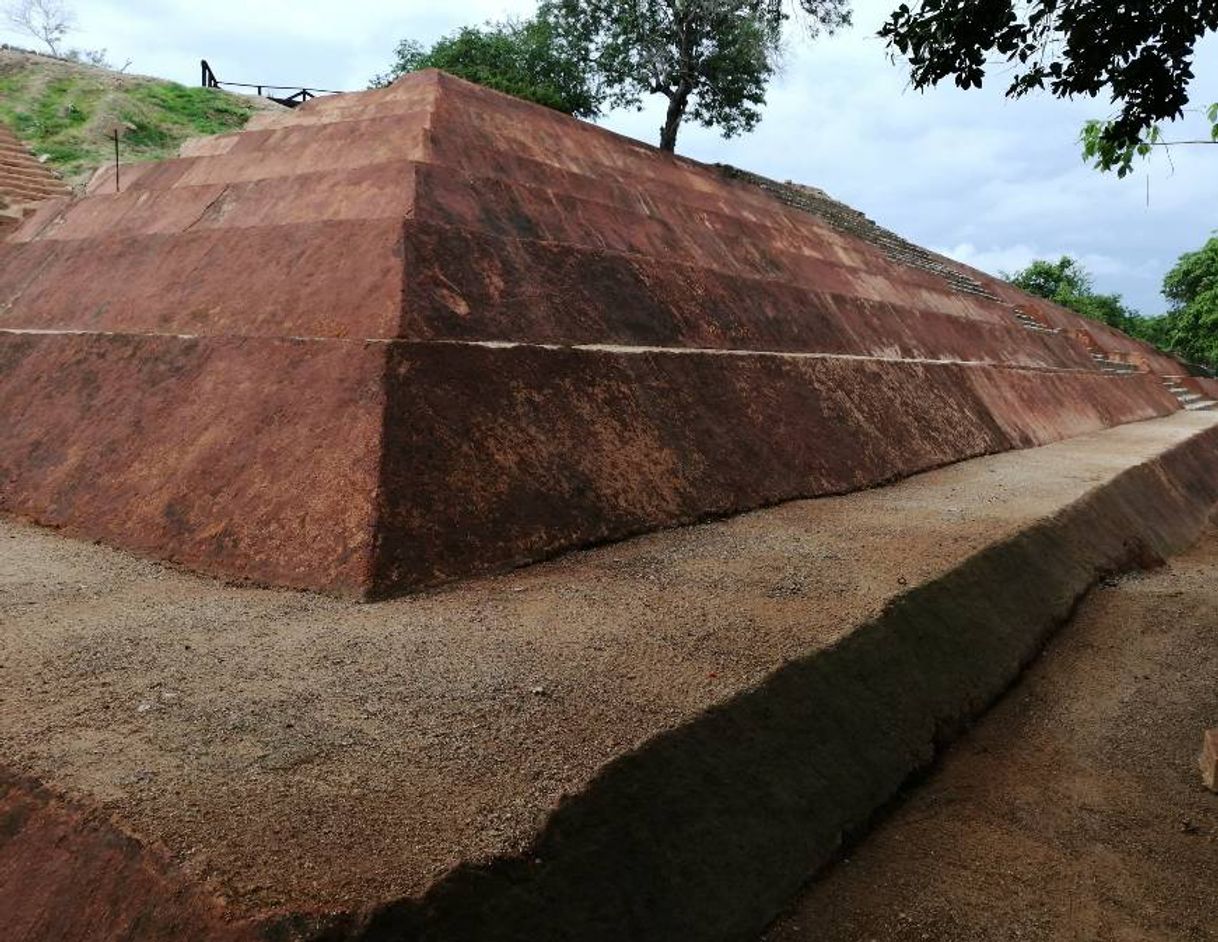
(300, 751)
(1074, 810)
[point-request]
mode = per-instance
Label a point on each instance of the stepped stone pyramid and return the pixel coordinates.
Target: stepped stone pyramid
(402, 336)
(23, 180)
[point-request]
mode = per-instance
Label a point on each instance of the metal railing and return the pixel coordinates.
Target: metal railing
(298, 97)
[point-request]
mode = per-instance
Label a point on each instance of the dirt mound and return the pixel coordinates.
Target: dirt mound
(65, 112)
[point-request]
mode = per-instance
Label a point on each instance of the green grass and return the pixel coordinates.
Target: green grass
(68, 114)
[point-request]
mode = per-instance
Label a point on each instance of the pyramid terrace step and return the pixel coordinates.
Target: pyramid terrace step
(28, 163)
(860, 226)
(25, 158)
(31, 190)
(569, 228)
(21, 151)
(19, 174)
(29, 172)
(27, 193)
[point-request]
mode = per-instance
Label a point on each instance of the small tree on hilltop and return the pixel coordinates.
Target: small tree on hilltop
(525, 58)
(48, 21)
(711, 59)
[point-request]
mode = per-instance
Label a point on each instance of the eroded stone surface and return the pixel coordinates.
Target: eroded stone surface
(408, 335)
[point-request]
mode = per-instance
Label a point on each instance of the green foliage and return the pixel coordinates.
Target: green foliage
(1189, 329)
(201, 110)
(1139, 54)
(711, 59)
(525, 58)
(66, 114)
(1067, 283)
(1104, 154)
(1052, 280)
(1191, 325)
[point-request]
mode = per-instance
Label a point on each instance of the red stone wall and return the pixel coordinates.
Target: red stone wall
(497, 456)
(440, 251)
(255, 459)
(69, 874)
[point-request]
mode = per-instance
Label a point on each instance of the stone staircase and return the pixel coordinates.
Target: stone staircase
(1189, 399)
(1029, 322)
(1112, 366)
(849, 220)
(23, 180)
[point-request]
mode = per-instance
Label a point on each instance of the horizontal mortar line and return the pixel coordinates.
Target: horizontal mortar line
(627, 349)
(782, 354)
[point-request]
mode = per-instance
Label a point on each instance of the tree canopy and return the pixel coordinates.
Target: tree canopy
(525, 58)
(1188, 330)
(1191, 326)
(1140, 54)
(1068, 283)
(712, 59)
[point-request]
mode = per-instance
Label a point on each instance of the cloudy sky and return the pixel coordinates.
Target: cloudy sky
(990, 182)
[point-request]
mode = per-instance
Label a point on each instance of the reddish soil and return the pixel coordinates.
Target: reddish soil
(1074, 810)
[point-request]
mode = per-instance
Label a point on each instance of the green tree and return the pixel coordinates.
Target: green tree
(1191, 328)
(711, 59)
(1067, 283)
(525, 58)
(1139, 54)
(1052, 280)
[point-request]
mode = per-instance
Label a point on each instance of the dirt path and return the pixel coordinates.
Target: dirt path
(1074, 810)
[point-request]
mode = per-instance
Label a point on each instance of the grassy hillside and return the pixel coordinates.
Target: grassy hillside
(66, 111)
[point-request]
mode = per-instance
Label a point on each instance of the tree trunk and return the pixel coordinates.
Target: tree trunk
(672, 120)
